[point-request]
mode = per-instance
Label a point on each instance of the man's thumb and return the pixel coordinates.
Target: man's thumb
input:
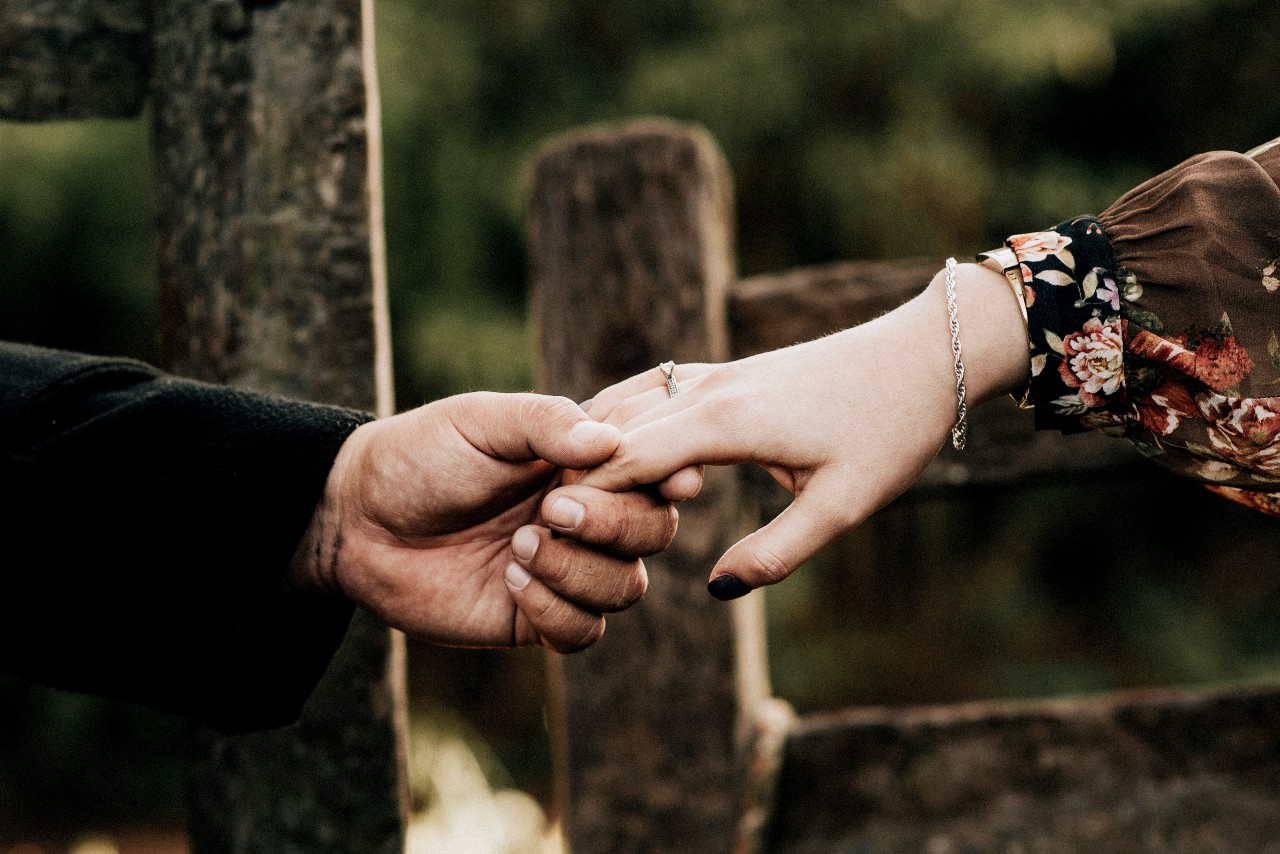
(562, 434)
(524, 427)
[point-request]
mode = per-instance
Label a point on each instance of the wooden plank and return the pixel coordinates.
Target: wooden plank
(1151, 771)
(72, 59)
(778, 309)
(271, 278)
(771, 311)
(631, 232)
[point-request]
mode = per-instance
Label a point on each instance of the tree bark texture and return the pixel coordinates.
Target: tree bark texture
(631, 240)
(1165, 772)
(72, 59)
(270, 280)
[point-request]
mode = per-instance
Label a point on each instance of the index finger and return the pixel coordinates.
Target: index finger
(629, 524)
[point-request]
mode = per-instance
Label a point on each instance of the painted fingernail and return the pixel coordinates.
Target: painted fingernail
(590, 432)
(524, 544)
(726, 587)
(566, 514)
(517, 576)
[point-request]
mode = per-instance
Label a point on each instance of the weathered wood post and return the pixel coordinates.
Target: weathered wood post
(268, 193)
(72, 59)
(632, 256)
(266, 157)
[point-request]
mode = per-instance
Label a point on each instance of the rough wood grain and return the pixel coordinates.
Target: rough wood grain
(270, 280)
(72, 59)
(631, 257)
(1147, 772)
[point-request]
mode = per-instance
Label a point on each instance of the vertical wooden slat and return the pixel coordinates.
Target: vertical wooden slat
(632, 257)
(72, 59)
(271, 279)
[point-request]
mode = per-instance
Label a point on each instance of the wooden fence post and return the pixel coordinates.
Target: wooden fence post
(631, 232)
(267, 174)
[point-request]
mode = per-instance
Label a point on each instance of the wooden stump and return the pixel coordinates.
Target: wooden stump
(72, 59)
(632, 257)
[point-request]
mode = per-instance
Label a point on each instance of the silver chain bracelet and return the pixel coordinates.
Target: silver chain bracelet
(960, 432)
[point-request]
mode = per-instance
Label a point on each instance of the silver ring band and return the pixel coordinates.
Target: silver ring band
(669, 373)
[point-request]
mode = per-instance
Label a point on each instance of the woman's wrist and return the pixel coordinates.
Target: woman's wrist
(992, 332)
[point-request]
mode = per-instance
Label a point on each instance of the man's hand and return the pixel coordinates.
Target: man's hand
(448, 522)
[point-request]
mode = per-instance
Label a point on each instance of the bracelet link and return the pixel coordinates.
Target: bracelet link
(960, 432)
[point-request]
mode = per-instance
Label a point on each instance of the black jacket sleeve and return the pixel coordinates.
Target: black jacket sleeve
(148, 522)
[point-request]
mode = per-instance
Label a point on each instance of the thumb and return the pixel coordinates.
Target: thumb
(525, 427)
(772, 553)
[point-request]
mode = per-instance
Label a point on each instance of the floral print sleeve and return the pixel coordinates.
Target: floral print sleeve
(1073, 326)
(1157, 321)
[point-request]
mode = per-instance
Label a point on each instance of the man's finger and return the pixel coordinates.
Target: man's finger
(588, 578)
(628, 524)
(542, 616)
(682, 485)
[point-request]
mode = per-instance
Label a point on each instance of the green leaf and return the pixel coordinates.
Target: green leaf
(1273, 348)
(1143, 319)
(1148, 449)
(1055, 343)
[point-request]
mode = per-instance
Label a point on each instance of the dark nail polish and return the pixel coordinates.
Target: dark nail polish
(726, 587)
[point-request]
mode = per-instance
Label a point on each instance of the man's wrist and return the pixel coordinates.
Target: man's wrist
(314, 568)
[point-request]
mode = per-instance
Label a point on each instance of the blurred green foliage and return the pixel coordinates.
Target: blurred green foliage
(854, 129)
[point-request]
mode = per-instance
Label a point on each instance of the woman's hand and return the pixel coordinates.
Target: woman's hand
(845, 423)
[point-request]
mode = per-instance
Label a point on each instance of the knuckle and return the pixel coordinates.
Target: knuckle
(671, 519)
(636, 586)
(530, 407)
(552, 569)
(626, 587)
(643, 530)
(657, 531)
(624, 460)
(766, 565)
(582, 633)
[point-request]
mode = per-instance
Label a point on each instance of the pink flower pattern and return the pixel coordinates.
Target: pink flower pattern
(1094, 362)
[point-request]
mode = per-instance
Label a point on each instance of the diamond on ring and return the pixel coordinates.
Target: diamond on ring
(669, 373)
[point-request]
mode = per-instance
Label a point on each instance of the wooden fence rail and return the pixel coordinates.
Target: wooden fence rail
(669, 741)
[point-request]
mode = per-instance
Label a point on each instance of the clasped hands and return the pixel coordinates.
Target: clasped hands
(455, 523)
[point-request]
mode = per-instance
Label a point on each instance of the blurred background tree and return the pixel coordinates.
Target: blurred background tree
(860, 129)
